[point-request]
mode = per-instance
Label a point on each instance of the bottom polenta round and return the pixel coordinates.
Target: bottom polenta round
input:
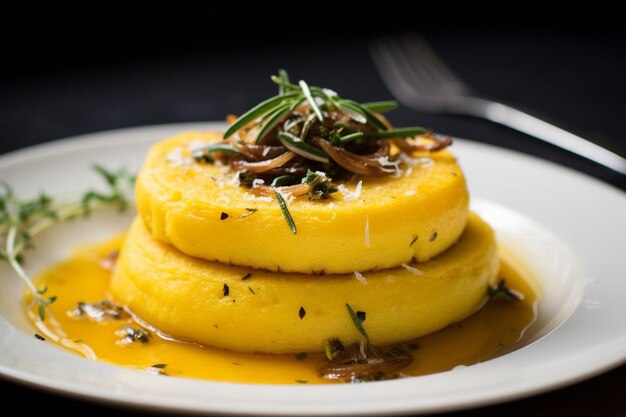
(250, 310)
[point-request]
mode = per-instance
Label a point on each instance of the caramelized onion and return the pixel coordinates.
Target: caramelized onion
(256, 152)
(365, 361)
(373, 165)
(294, 190)
(435, 145)
(266, 165)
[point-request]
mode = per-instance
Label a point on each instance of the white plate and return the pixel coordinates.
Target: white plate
(577, 335)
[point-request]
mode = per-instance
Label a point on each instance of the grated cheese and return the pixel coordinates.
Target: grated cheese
(359, 277)
(412, 269)
(350, 195)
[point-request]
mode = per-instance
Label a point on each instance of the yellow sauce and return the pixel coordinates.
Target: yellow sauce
(84, 277)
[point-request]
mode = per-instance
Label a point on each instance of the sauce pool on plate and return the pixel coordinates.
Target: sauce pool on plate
(97, 329)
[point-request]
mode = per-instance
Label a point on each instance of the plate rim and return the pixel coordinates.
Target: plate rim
(96, 139)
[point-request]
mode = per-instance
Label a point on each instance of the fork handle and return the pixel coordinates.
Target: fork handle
(523, 122)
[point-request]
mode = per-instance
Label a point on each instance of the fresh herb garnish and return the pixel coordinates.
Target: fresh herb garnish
(159, 366)
(321, 185)
(40, 337)
(224, 216)
(22, 220)
(251, 290)
(247, 276)
(130, 335)
(433, 237)
(306, 127)
(333, 348)
(413, 240)
(358, 323)
(286, 214)
(503, 293)
(226, 290)
(301, 312)
(99, 311)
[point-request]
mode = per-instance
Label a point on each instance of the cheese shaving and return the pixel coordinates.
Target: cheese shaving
(412, 269)
(359, 277)
(350, 195)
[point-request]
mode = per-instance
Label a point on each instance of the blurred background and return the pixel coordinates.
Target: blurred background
(78, 68)
(82, 67)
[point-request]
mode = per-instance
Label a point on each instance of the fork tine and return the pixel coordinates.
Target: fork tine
(410, 58)
(416, 46)
(389, 69)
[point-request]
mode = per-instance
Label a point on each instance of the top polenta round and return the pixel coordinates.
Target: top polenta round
(202, 211)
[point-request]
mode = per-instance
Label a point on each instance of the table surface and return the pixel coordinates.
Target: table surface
(575, 81)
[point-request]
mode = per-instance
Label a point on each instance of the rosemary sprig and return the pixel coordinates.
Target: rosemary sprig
(286, 214)
(22, 220)
(270, 112)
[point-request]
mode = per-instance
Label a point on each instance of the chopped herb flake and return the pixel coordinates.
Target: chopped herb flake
(357, 322)
(503, 293)
(40, 337)
(333, 348)
(226, 290)
(361, 315)
(247, 276)
(223, 216)
(159, 366)
(414, 240)
(433, 237)
(130, 335)
(301, 313)
(251, 290)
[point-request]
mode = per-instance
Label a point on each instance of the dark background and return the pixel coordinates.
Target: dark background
(79, 68)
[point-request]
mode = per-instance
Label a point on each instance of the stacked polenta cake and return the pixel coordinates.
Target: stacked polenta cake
(257, 239)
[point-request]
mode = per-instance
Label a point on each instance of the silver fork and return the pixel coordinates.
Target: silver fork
(418, 78)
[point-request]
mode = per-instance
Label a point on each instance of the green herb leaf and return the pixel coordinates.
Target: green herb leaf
(405, 132)
(309, 97)
(272, 120)
(381, 106)
(284, 77)
(503, 293)
(298, 146)
(370, 117)
(283, 180)
(286, 214)
(257, 111)
(357, 322)
(159, 366)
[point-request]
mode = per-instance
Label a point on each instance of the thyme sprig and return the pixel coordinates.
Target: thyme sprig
(22, 220)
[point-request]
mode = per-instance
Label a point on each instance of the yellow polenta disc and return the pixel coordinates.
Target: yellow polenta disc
(244, 309)
(373, 223)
